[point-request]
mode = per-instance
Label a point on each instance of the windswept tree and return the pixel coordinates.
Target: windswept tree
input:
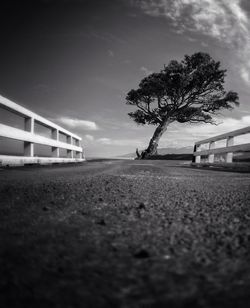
(188, 91)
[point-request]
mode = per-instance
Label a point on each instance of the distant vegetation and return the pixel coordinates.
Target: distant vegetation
(172, 157)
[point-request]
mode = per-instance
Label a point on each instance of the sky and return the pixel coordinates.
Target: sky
(74, 61)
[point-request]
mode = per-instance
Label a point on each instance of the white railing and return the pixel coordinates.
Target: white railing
(229, 149)
(29, 137)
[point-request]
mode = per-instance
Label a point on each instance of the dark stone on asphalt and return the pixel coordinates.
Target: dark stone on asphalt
(101, 222)
(141, 206)
(142, 254)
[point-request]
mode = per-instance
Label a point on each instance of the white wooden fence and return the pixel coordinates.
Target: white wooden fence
(29, 137)
(229, 149)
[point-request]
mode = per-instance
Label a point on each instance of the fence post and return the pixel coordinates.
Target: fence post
(78, 154)
(197, 158)
(29, 146)
(211, 156)
(229, 156)
(69, 152)
(193, 158)
(55, 136)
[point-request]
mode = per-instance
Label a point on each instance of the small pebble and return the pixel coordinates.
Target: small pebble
(141, 206)
(101, 222)
(166, 257)
(141, 254)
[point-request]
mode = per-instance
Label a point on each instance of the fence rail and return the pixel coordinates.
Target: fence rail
(29, 137)
(229, 149)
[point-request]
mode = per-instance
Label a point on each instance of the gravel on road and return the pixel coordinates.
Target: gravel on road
(121, 233)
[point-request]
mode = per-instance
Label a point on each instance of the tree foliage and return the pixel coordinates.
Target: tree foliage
(188, 91)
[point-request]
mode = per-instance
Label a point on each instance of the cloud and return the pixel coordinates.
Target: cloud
(88, 138)
(191, 39)
(223, 20)
(76, 123)
(133, 15)
(146, 70)
(106, 141)
(245, 74)
(106, 36)
(204, 44)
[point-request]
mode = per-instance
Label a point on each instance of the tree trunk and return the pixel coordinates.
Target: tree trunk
(137, 154)
(153, 144)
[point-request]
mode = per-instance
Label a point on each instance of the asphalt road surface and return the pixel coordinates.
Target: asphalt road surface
(124, 234)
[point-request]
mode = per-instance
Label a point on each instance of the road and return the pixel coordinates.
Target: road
(121, 233)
